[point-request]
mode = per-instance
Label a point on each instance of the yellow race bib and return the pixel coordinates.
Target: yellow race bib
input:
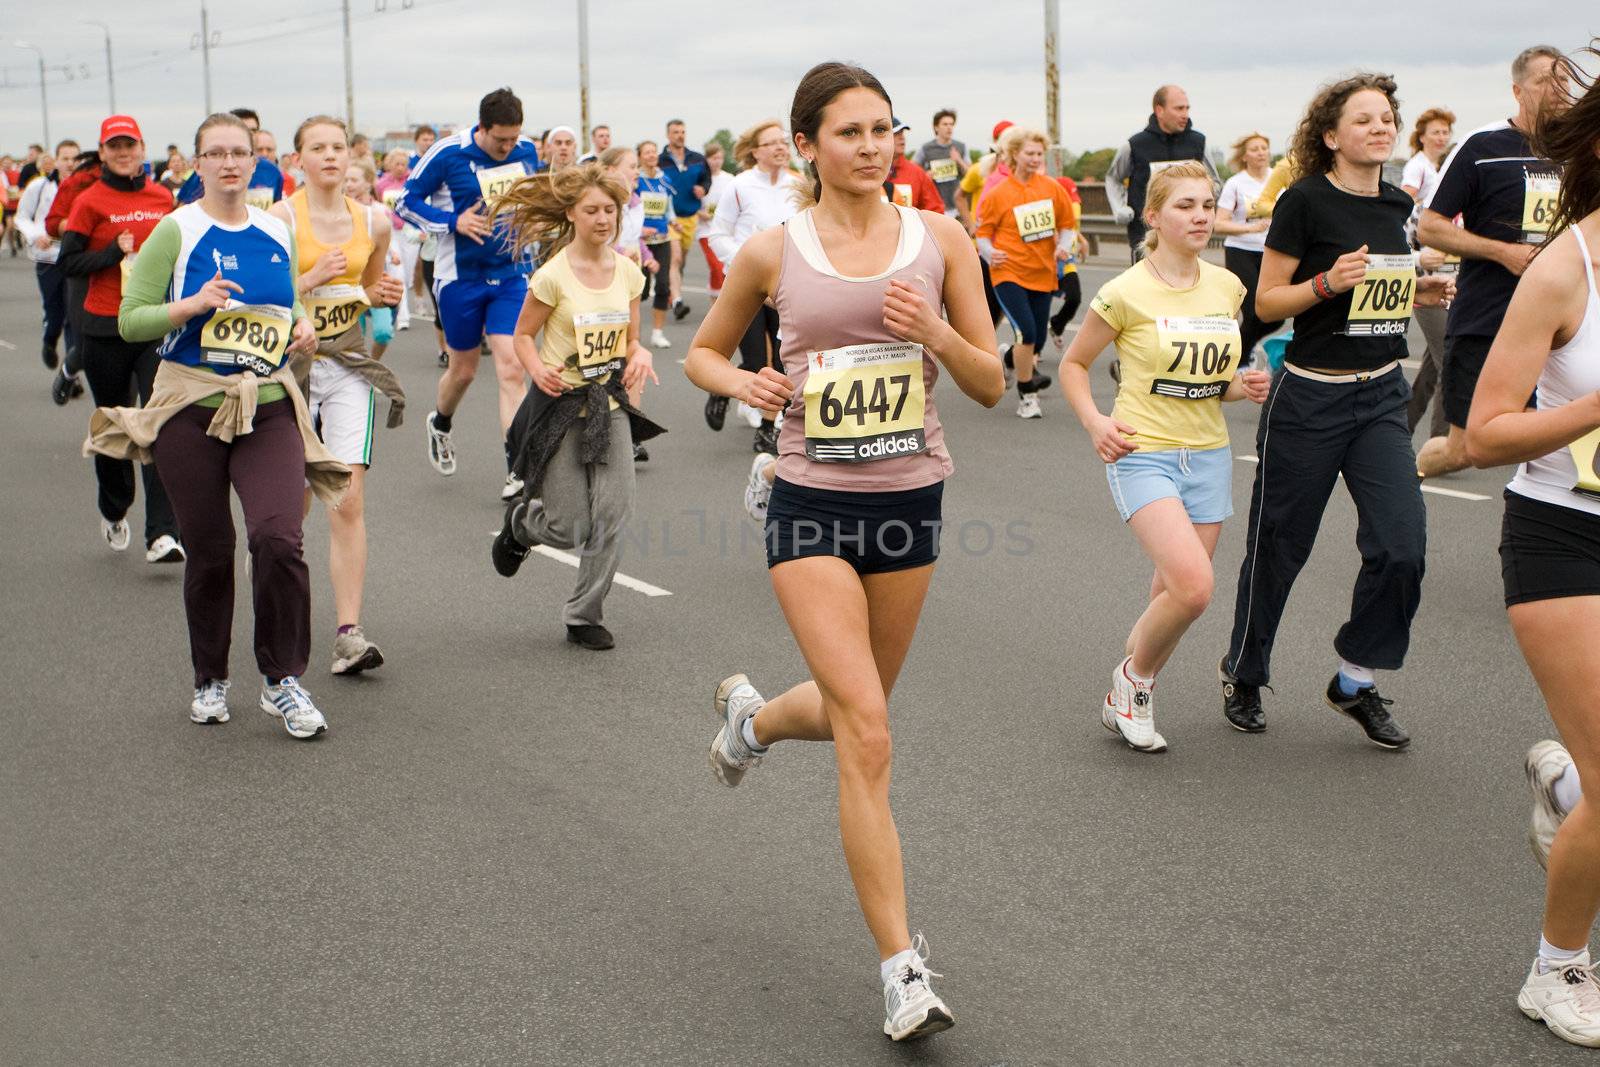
(1200, 353)
(944, 170)
(1539, 205)
(865, 403)
(1035, 221)
(127, 268)
(1583, 457)
(258, 196)
(333, 309)
(1381, 305)
(655, 204)
(254, 337)
(497, 181)
(391, 197)
(903, 195)
(601, 337)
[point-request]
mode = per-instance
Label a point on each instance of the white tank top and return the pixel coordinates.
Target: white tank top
(1573, 371)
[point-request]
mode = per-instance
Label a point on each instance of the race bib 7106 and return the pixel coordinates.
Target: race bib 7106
(1198, 354)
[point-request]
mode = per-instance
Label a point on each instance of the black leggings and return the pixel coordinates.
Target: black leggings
(996, 312)
(1028, 310)
(658, 282)
(1246, 266)
(753, 350)
(1071, 293)
(120, 374)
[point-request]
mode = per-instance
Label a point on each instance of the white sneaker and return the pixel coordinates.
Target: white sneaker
(911, 1008)
(758, 491)
(1028, 407)
(441, 452)
(1546, 761)
(751, 417)
(164, 549)
(659, 340)
(512, 488)
(1566, 999)
(353, 653)
(1130, 710)
(117, 534)
(293, 705)
(210, 702)
(735, 701)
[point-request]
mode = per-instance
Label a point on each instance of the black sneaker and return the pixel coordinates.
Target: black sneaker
(767, 438)
(444, 358)
(61, 388)
(640, 455)
(1041, 382)
(52, 358)
(680, 311)
(716, 411)
(1371, 711)
(1241, 703)
(508, 553)
(595, 638)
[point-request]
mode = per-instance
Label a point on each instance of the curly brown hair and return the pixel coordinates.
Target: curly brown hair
(1570, 139)
(1310, 155)
(536, 206)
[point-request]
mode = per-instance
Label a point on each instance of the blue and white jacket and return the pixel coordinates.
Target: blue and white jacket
(449, 179)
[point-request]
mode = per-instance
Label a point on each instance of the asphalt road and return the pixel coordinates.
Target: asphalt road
(510, 850)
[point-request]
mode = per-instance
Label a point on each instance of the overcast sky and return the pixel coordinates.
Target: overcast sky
(706, 63)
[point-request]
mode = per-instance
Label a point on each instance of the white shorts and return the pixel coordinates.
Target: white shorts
(343, 408)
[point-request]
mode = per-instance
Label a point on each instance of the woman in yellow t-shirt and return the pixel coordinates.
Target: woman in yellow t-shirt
(579, 482)
(1174, 320)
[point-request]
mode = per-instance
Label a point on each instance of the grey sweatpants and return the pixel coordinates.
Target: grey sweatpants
(1426, 384)
(585, 507)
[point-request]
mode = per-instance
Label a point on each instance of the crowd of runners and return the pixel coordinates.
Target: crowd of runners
(229, 309)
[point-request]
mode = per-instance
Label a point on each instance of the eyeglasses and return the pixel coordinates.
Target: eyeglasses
(219, 155)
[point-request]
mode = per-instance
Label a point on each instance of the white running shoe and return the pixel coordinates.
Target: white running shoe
(441, 452)
(911, 1008)
(659, 340)
(117, 534)
(1546, 762)
(164, 549)
(1130, 710)
(512, 488)
(1566, 999)
(210, 702)
(735, 701)
(293, 705)
(751, 416)
(758, 491)
(353, 653)
(1028, 407)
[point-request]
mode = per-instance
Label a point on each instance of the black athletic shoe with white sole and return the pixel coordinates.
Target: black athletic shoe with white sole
(1241, 703)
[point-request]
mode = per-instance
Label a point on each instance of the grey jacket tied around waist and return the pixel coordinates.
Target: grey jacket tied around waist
(543, 420)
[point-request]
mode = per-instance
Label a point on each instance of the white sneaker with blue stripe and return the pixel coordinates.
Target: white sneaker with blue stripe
(293, 705)
(210, 702)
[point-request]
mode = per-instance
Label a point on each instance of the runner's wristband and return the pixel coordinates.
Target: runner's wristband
(1320, 286)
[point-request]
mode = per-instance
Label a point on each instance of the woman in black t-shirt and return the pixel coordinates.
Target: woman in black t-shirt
(1338, 262)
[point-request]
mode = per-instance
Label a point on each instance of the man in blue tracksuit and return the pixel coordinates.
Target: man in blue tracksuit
(477, 277)
(686, 169)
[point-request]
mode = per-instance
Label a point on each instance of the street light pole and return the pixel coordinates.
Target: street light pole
(349, 75)
(44, 95)
(205, 51)
(583, 70)
(111, 75)
(1052, 73)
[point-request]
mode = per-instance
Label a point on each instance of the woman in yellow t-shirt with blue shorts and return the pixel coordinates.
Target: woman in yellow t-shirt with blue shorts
(1174, 320)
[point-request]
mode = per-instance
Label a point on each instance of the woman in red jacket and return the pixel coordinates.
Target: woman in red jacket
(109, 221)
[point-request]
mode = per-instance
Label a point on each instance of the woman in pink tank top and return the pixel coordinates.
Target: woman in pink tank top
(852, 516)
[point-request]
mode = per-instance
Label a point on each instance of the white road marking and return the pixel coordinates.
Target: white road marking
(1438, 490)
(621, 579)
(8, 346)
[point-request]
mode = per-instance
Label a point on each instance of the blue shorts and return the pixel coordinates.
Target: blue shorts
(1203, 481)
(468, 310)
(873, 532)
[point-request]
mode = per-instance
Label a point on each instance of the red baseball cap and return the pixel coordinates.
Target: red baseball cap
(119, 126)
(1000, 127)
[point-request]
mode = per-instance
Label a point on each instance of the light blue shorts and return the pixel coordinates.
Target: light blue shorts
(1202, 480)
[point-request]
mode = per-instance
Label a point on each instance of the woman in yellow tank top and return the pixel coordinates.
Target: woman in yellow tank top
(341, 255)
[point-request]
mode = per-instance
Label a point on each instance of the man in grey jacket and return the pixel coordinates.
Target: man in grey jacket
(1167, 138)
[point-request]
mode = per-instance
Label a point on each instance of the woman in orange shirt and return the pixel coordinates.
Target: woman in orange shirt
(1024, 228)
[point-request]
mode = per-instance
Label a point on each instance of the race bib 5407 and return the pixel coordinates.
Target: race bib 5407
(252, 336)
(1381, 305)
(1198, 354)
(865, 403)
(333, 309)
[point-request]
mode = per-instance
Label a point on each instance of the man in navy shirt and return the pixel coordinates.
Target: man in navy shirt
(1500, 189)
(265, 187)
(690, 177)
